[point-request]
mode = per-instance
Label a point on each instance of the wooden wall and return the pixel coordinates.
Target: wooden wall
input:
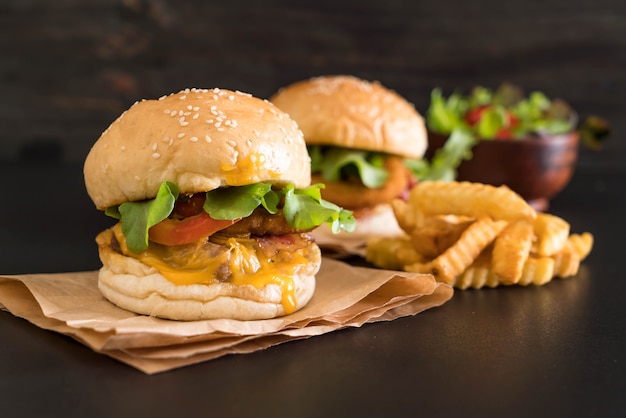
(69, 67)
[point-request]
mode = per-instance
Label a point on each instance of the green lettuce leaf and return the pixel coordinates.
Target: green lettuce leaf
(492, 120)
(336, 163)
(305, 209)
(444, 163)
(444, 115)
(229, 203)
(138, 217)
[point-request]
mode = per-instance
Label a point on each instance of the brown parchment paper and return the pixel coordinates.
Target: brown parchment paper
(345, 296)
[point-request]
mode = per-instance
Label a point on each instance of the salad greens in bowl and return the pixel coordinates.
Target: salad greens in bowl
(502, 137)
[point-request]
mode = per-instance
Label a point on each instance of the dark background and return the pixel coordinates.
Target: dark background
(68, 68)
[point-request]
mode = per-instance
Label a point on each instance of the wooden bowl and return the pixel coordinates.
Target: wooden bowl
(537, 167)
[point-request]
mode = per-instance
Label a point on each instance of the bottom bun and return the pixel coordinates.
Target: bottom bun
(377, 222)
(137, 287)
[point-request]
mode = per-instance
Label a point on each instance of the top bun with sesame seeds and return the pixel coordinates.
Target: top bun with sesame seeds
(198, 139)
(211, 189)
(349, 112)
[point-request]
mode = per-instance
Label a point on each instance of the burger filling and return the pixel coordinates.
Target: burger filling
(247, 235)
(360, 180)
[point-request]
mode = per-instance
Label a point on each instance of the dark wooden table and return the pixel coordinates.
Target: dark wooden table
(558, 350)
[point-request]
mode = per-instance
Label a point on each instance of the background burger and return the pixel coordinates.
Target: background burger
(212, 192)
(359, 135)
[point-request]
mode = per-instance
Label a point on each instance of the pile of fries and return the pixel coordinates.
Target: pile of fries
(476, 235)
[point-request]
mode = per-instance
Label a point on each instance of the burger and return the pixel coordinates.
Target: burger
(361, 137)
(212, 194)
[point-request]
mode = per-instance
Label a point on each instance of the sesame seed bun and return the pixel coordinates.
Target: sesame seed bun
(198, 139)
(353, 113)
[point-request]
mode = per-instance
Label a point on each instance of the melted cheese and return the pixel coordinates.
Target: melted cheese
(248, 264)
(245, 168)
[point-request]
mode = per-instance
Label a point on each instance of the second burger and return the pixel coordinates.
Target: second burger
(359, 135)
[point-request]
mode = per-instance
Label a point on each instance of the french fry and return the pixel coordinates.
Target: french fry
(437, 234)
(423, 267)
(582, 244)
(408, 219)
(566, 261)
(551, 232)
(537, 271)
(392, 253)
(478, 275)
(510, 251)
(475, 200)
(454, 260)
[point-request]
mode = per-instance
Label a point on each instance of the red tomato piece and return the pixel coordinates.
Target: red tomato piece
(473, 116)
(186, 230)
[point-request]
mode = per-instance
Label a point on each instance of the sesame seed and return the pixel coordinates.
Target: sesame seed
(180, 135)
(207, 138)
(180, 113)
(194, 139)
(249, 142)
(232, 143)
(183, 97)
(154, 146)
(209, 121)
(166, 139)
(218, 124)
(196, 116)
(189, 107)
(196, 108)
(231, 97)
(156, 155)
(220, 129)
(167, 111)
(123, 148)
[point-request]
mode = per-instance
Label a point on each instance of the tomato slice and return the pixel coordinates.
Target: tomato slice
(473, 116)
(186, 230)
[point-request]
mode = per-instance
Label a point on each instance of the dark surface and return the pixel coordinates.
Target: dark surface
(558, 350)
(69, 67)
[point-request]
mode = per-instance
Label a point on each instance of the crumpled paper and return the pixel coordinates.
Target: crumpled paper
(345, 296)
